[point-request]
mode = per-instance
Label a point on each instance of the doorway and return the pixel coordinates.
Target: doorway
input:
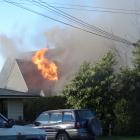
(3, 107)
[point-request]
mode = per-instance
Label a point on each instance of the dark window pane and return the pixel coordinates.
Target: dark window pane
(85, 114)
(68, 116)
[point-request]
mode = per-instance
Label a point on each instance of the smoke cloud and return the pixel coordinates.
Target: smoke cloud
(69, 48)
(72, 48)
(8, 47)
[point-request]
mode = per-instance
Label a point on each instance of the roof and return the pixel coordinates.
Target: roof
(33, 78)
(31, 75)
(61, 110)
(6, 93)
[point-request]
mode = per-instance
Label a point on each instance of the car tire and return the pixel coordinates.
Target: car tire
(62, 136)
(94, 127)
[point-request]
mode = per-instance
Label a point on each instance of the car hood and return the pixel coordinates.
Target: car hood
(21, 130)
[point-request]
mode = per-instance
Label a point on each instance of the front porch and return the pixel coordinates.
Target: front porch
(11, 103)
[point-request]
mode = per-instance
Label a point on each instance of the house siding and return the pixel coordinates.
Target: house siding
(16, 80)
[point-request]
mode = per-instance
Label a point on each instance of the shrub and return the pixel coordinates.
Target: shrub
(33, 107)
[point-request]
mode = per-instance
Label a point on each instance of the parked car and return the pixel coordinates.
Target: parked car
(69, 124)
(10, 131)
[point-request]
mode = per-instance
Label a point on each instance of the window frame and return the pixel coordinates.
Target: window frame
(56, 121)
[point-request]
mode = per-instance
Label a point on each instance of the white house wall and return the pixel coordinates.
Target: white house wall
(5, 72)
(15, 80)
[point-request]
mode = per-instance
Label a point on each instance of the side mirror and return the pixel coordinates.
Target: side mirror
(37, 123)
(10, 123)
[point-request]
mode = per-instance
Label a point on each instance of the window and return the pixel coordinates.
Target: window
(68, 117)
(85, 114)
(43, 118)
(56, 117)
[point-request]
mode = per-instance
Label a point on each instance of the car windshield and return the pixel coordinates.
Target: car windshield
(85, 114)
(3, 117)
(2, 121)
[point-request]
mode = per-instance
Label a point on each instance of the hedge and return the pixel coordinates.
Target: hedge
(33, 107)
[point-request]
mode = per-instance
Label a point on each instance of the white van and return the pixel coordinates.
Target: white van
(9, 131)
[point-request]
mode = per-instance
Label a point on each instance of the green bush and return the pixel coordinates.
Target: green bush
(123, 117)
(33, 107)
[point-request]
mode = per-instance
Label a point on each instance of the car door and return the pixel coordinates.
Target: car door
(49, 121)
(6, 133)
(54, 124)
(68, 120)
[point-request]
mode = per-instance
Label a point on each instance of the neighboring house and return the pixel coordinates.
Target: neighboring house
(22, 75)
(19, 79)
(11, 103)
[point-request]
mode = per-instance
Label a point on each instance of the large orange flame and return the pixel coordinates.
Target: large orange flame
(48, 68)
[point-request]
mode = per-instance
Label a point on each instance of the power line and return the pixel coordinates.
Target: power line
(66, 16)
(82, 21)
(101, 10)
(102, 32)
(93, 7)
(41, 14)
(38, 13)
(94, 28)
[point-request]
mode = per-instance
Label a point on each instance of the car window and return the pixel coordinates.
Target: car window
(85, 114)
(68, 117)
(43, 118)
(56, 117)
(2, 123)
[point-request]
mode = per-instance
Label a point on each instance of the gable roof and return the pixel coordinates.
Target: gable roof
(32, 78)
(31, 75)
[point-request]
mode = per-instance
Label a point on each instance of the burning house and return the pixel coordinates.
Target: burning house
(21, 79)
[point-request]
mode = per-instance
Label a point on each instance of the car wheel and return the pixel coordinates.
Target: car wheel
(62, 136)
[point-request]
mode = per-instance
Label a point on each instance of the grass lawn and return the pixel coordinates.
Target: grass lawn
(119, 138)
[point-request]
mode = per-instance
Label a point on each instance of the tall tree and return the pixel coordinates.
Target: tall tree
(136, 53)
(94, 87)
(127, 109)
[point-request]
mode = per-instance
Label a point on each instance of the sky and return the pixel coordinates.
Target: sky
(24, 31)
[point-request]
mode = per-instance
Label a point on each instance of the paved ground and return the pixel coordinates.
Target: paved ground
(118, 138)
